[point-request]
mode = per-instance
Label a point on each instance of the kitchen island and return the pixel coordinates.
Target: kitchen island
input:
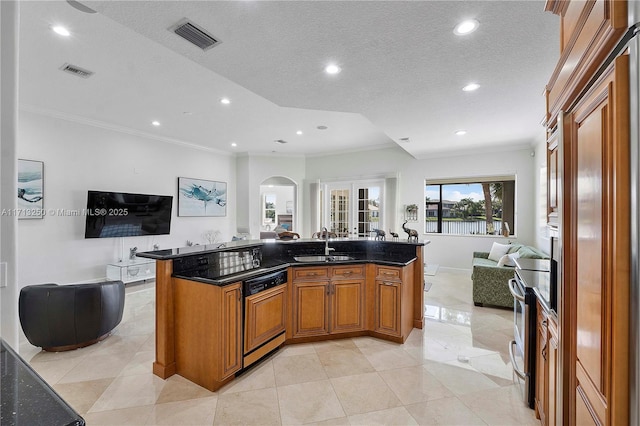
(211, 323)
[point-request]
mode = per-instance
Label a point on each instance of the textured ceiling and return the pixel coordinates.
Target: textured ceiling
(403, 70)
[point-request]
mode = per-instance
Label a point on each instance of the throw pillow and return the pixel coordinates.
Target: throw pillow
(514, 248)
(497, 251)
(503, 260)
(508, 259)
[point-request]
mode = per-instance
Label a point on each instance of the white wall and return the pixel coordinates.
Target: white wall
(255, 169)
(444, 250)
(540, 175)
(79, 157)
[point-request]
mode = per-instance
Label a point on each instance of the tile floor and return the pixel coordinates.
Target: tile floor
(456, 371)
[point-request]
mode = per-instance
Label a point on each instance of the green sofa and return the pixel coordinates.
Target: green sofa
(491, 282)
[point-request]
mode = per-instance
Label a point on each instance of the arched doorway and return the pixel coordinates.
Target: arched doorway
(278, 204)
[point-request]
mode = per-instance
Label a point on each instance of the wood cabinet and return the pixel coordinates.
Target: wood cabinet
(590, 96)
(393, 301)
(208, 332)
(328, 300)
(552, 179)
(546, 367)
(265, 316)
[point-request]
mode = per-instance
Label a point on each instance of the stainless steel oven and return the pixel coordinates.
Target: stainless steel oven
(523, 344)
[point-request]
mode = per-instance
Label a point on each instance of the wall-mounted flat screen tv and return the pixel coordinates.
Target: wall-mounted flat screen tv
(118, 214)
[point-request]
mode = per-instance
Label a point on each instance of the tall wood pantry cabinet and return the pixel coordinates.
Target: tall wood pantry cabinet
(588, 170)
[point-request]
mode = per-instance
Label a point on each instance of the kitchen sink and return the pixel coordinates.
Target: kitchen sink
(322, 258)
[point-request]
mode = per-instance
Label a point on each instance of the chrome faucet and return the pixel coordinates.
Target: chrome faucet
(327, 249)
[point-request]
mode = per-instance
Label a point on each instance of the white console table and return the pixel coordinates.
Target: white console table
(129, 271)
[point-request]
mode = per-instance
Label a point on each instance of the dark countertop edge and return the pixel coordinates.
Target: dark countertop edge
(267, 270)
(545, 304)
(232, 245)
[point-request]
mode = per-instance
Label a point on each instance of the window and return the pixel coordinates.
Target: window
(269, 210)
(352, 209)
(462, 207)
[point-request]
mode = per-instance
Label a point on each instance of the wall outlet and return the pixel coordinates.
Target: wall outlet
(3, 274)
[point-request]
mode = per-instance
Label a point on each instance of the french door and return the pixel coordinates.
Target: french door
(352, 209)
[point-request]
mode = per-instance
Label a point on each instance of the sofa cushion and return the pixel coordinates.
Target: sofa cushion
(514, 248)
(497, 251)
(527, 252)
(479, 261)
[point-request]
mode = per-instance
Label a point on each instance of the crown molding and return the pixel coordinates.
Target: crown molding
(115, 128)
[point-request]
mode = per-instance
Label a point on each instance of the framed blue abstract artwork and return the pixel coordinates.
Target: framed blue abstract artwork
(199, 197)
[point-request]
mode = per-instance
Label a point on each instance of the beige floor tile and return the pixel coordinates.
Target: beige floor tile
(414, 384)
(335, 345)
(82, 395)
(383, 358)
(134, 416)
(53, 371)
(458, 380)
(258, 407)
(510, 411)
(129, 391)
(364, 393)
(340, 421)
(149, 344)
(297, 349)
(177, 388)
(368, 342)
(298, 369)
(120, 344)
(193, 412)
(98, 366)
(308, 402)
(448, 411)
(391, 416)
(345, 363)
(493, 364)
(260, 376)
(142, 363)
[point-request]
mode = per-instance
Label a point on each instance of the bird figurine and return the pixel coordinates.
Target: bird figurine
(394, 235)
(412, 233)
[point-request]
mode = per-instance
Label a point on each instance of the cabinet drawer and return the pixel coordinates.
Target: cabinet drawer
(310, 273)
(352, 271)
(388, 273)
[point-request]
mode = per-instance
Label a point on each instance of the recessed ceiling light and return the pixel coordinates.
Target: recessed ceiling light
(461, 132)
(471, 87)
(233, 144)
(332, 69)
(59, 29)
(155, 123)
(225, 101)
(466, 27)
(299, 132)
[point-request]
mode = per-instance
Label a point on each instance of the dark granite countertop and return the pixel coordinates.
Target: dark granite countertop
(233, 262)
(540, 283)
(174, 253)
(27, 399)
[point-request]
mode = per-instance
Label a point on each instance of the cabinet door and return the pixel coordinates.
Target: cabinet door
(552, 373)
(552, 180)
(597, 248)
(541, 366)
(388, 307)
(264, 316)
(347, 305)
(310, 308)
(231, 329)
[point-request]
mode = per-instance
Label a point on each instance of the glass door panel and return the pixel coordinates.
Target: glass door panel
(339, 217)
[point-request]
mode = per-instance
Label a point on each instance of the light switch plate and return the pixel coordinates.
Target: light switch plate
(3, 274)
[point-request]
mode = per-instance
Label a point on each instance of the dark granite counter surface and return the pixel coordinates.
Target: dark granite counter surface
(27, 399)
(174, 253)
(231, 262)
(540, 283)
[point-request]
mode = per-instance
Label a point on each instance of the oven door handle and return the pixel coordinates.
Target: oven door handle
(516, 370)
(512, 289)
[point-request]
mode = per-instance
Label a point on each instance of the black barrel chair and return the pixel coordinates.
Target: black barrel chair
(64, 317)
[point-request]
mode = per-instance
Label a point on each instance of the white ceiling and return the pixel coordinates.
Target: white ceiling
(403, 71)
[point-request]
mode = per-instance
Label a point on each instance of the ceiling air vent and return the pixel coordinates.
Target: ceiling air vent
(194, 34)
(80, 72)
(280, 141)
